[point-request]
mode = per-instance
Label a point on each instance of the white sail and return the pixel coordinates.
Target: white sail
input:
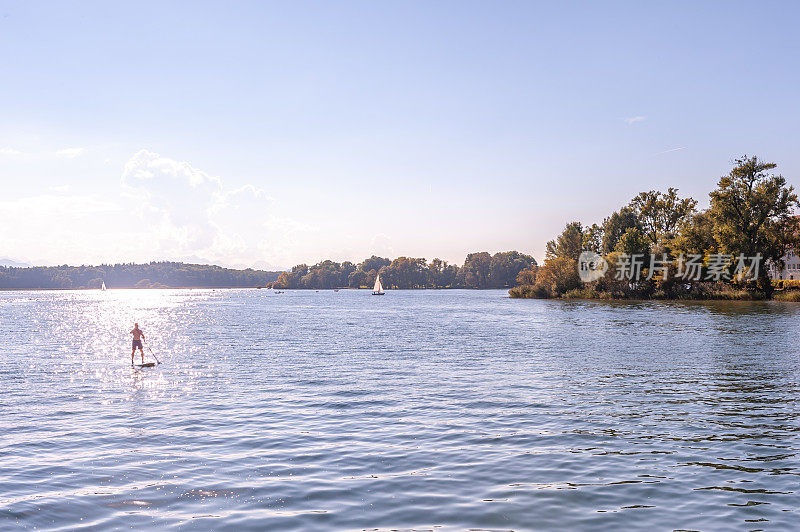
(378, 286)
(103, 286)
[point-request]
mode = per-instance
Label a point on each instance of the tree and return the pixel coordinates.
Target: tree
(475, 272)
(753, 213)
(346, 269)
(505, 266)
(696, 235)
(405, 272)
(300, 270)
(632, 242)
(593, 238)
(660, 214)
(440, 274)
(284, 281)
(357, 279)
(568, 244)
(374, 263)
(527, 277)
(557, 276)
(615, 226)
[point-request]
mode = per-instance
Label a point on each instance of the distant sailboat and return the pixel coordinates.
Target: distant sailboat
(377, 290)
(103, 286)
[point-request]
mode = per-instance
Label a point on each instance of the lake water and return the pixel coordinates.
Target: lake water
(418, 410)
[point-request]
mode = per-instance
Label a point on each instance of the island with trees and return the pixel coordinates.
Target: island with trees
(480, 270)
(751, 215)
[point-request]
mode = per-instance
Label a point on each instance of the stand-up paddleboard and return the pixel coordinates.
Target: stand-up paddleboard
(145, 365)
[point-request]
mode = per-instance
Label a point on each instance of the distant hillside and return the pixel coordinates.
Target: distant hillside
(5, 261)
(153, 275)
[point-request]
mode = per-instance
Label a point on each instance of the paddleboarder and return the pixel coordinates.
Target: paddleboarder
(138, 336)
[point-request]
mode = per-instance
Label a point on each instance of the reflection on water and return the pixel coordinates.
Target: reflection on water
(418, 410)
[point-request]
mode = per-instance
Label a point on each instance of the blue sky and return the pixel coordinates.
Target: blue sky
(276, 133)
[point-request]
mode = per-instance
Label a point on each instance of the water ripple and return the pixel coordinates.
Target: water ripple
(429, 410)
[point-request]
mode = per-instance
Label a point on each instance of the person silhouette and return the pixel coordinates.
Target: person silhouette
(138, 337)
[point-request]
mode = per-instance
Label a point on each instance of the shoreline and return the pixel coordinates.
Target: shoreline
(507, 296)
(793, 296)
(663, 299)
(366, 289)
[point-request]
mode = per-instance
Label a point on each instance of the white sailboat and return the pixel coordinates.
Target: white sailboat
(103, 286)
(377, 290)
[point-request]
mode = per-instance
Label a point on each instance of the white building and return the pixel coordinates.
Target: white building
(791, 270)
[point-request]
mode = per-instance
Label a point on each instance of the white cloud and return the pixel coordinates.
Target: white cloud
(9, 151)
(381, 245)
(163, 209)
(57, 205)
(634, 119)
(146, 165)
(189, 213)
(59, 228)
(671, 150)
(70, 153)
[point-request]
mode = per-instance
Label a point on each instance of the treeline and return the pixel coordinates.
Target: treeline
(751, 213)
(153, 275)
(480, 270)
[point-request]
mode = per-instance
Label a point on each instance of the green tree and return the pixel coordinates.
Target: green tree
(696, 235)
(357, 279)
(374, 263)
(300, 270)
(753, 213)
(556, 277)
(593, 238)
(615, 226)
(284, 281)
(405, 272)
(633, 242)
(475, 271)
(660, 214)
(504, 267)
(441, 274)
(568, 244)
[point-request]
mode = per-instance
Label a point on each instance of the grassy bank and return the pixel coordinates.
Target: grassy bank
(709, 291)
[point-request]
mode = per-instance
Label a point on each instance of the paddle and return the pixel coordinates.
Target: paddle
(154, 355)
